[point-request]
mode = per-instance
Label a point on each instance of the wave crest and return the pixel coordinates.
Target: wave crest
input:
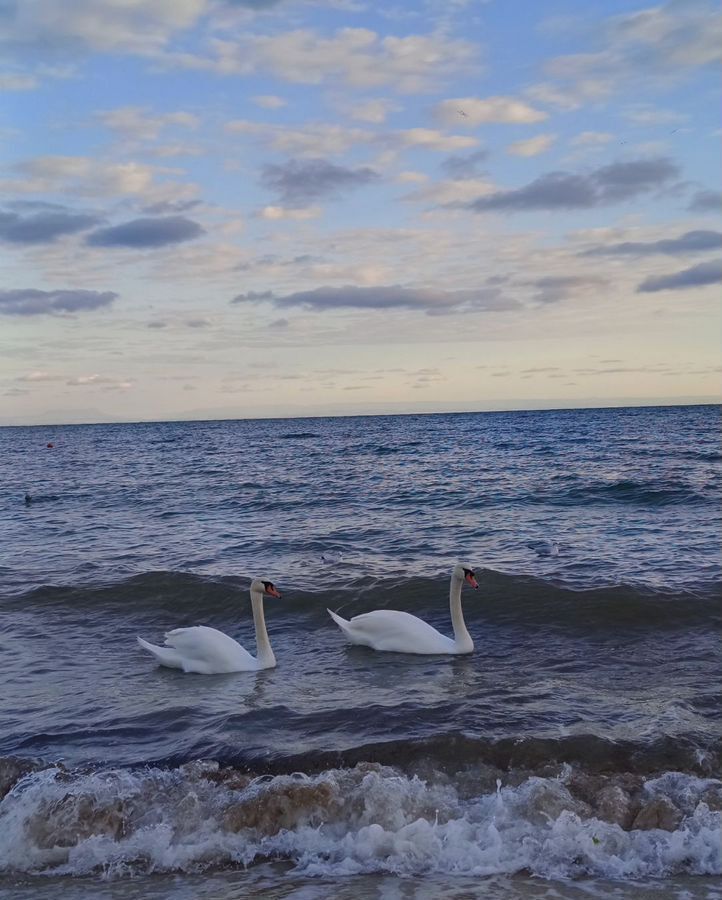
(369, 818)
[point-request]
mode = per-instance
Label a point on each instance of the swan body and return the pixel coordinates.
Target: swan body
(207, 651)
(399, 632)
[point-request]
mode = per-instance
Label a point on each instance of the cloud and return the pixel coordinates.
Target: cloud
(375, 110)
(706, 201)
(269, 101)
(462, 167)
(569, 97)
(40, 376)
(81, 176)
(140, 233)
(107, 382)
(198, 323)
(451, 192)
(11, 81)
(43, 225)
(553, 288)
(357, 57)
(428, 300)
(648, 44)
(696, 276)
(253, 297)
(591, 139)
(141, 123)
(321, 138)
(562, 190)
(650, 116)
(690, 242)
(532, 146)
(279, 213)
(473, 111)
(31, 302)
(300, 182)
(50, 28)
(430, 139)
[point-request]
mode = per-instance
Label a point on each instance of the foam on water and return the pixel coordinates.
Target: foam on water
(369, 819)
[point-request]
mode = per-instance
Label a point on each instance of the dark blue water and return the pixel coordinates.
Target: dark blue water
(587, 717)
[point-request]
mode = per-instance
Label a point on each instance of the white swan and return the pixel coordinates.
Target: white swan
(400, 632)
(210, 652)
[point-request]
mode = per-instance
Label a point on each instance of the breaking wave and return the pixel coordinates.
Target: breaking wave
(369, 818)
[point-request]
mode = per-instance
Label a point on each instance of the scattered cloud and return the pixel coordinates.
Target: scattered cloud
(430, 139)
(592, 139)
(461, 167)
(356, 57)
(375, 111)
(253, 297)
(553, 288)
(657, 42)
(142, 233)
(11, 81)
(532, 146)
(690, 242)
(47, 28)
(564, 190)
(473, 111)
(269, 101)
(31, 302)
(411, 177)
(143, 124)
(81, 176)
(706, 201)
(299, 182)
(452, 192)
(696, 276)
(279, 213)
(39, 376)
(569, 97)
(105, 381)
(428, 300)
(335, 140)
(651, 116)
(42, 223)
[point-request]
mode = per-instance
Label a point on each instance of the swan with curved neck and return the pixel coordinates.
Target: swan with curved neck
(400, 632)
(208, 651)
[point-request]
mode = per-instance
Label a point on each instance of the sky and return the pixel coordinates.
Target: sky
(252, 208)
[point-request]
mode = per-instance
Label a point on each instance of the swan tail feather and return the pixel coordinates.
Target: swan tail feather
(343, 624)
(165, 656)
(339, 620)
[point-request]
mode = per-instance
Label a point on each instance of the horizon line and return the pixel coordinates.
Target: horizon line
(358, 415)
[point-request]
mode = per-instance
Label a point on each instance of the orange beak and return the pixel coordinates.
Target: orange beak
(470, 580)
(272, 592)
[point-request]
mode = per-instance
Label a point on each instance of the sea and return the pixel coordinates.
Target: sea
(576, 753)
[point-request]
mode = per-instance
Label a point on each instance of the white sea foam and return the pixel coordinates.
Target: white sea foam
(342, 822)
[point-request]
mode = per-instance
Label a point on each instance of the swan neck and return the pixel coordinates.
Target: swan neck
(264, 653)
(462, 638)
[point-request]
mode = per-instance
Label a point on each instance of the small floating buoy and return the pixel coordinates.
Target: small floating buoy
(50, 446)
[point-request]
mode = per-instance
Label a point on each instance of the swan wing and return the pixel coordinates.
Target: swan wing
(399, 632)
(209, 651)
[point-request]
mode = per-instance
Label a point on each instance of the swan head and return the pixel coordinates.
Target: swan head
(264, 586)
(465, 573)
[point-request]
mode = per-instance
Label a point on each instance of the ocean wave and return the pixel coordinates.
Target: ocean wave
(367, 819)
(628, 490)
(501, 598)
